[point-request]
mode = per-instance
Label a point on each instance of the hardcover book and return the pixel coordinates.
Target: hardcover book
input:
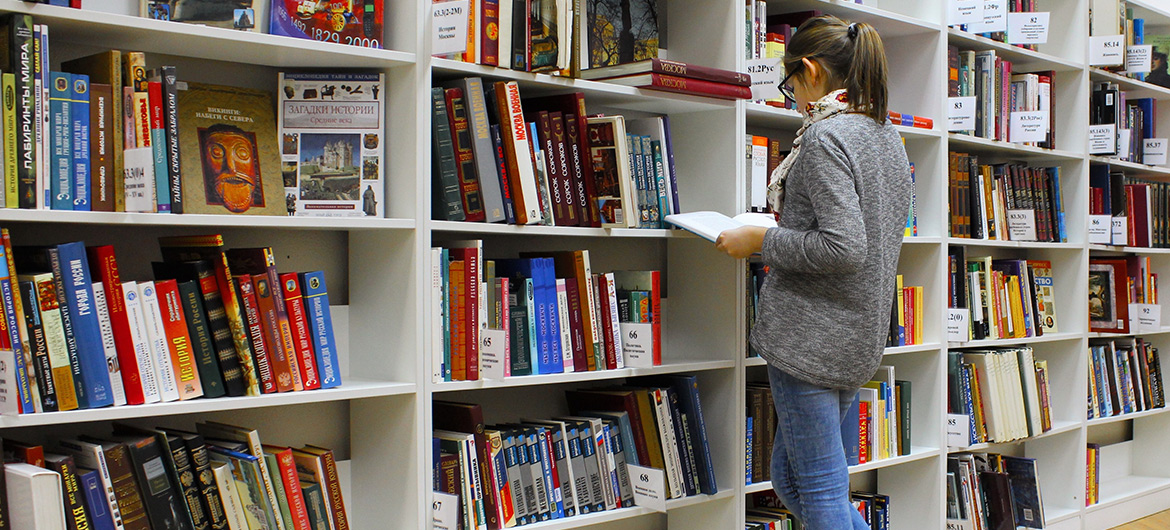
(352, 23)
(622, 31)
(235, 14)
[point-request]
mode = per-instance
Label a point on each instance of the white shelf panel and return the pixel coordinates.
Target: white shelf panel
(1056, 514)
(913, 348)
(1024, 59)
(236, 221)
(964, 142)
(1047, 337)
(922, 240)
(1012, 244)
(540, 230)
(191, 40)
(755, 361)
(1140, 169)
(1155, 12)
(552, 379)
(1102, 335)
(1119, 490)
(1129, 84)
(891, 25)
(919, 132)
(581, 521)
(1058, 427)
(763, 115)
(916, 453)
(349, 389)
(1123, 417)
(1132, 250)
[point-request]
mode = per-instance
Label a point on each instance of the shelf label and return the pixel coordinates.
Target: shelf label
(961, 113)
(1120, 231)
(1154, 151)
(638, 344)
(958, 330)
(1022, 225)
(1138, 59)
(1124, 143)
(1028, 28)
(1029, 126)
(449, 27)
(1103, 139)
(994, 17)
(965, 12)
(1149, 317)
(649, 487)
(958, 430)
(959, 524)
(1100, 229)
(1107, 50)
(492, 353)
(766, 76)
(444, 511)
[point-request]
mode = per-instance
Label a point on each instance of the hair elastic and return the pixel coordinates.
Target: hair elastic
(852, 31)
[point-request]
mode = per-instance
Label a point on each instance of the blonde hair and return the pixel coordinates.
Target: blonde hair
(852, 54)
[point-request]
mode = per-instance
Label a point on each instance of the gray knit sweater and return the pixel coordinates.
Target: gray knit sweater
(824, 309)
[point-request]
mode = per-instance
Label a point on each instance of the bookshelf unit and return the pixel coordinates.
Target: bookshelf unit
(379, 420)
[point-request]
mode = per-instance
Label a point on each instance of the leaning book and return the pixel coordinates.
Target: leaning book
(331, 130)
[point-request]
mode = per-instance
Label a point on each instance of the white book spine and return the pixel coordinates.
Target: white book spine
(226, 485)
(566, 328)
(518, 136)
(91, 456)
(437, 315)
(669, 445)
(505, 35)
(589, 298)
(612, 477)
(759, 196)
(34, 494)
(614, 322)
(103, 314)
(9, 395)
(600, 450)
(157, 338)
(138, 334)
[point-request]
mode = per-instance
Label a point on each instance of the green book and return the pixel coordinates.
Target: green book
(315, 505)
(902, 395)
(278, 485)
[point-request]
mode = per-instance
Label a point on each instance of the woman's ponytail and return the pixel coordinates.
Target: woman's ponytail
(854, 56)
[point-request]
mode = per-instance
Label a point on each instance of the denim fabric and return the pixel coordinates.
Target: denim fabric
(809, 471)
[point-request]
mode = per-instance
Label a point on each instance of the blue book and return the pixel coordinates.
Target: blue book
(23, 382)
(1059, 199)
(95, 499)
(556, 497)
(588, 452)
(321, 325)
(505, 190)
(660, 183)
(623, 428)
(851, 434)
(687, 389)
(608, 435)
(158, 148)
(668, 155)
(748, 452)
(79, 117)
(73, 268)
(552, 361)
(525, 272)
(61, 168)
(1139, 38)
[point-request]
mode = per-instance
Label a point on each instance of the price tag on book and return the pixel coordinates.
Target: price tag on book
(965, 12)
(1138, 59)
(1120, 231)
(1103, 139)
(449, 27)
(1022, 225)
(1027, 28)
(638, 344)
(961, 113)
(444, 511)
(492, 343)
(994, 17)
(958, 430)
(958, 329)
(1107, 50)
(1154, 151)
(1029, 126)
(1100, 229)
(1149, 317)
(765, 77)
(649, 487)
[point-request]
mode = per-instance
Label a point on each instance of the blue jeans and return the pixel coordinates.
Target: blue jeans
(809, 471)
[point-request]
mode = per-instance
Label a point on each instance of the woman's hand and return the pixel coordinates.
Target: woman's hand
(741, 242)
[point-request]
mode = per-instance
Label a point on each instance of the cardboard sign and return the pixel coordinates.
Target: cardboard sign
(449, 27)
(1138, 59)
(1027, 28)
(964, 12)
(492, 358)
(766, 77)
(958, 430)
(649, 487)
(1103, 139)
(1154, 151)
(961, 113)
(1120, 231)
(1029, 126)
(994, 17)
(958, 329)
(1022, 225)
(1100, 229)
(444, 511)
(1107, 50)
(638, 344)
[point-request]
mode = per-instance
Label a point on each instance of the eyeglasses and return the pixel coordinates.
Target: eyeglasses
(785, 87)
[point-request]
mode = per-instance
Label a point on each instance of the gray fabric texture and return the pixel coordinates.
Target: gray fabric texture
(824, 309)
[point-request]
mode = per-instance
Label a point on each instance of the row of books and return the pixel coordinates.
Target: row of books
(1115, 285)
(546, 161)
(764, 155)
(1132, 120)
(767, 39)
(998, 93)
(908, 314)
(1005, 298)
(988, 28)
(765, 511)
(521, 473)
(1004, 393)
(1126, 377)
(78, 337)
(219, 476)
(989, 490)
(1141, 205)
(985, 201)
(106, 134)
(548, 312)
(1114, 17)
(1093, 474)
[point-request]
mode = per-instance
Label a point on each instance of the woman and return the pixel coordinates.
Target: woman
(825, 305)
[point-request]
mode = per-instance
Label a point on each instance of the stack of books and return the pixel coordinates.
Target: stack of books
(981, 197)
(675, 76)
(1126, 377)
(989, 490)
(1004, 393)
(907, 316)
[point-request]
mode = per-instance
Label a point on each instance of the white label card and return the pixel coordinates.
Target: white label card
(958, 329)
(444, 511)
(1154, 151)
(1149, 317)
(449, 27)
(958, 430)
(1138, 58)
(1107, 50)
(1100, 229)
(492, 358)
(638, 344)
(964, 12)
(961, 113)
(1028, 28)
(994, 17)
(1022, 225)
(649, 487)
(766, 77)
(1120, 231)
(1029, 126)
(1103, 139)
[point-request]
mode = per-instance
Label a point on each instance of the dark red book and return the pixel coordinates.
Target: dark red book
(563, 215)
(574, 105)
(569, 176)
(468, 418)
(675, 68)
(576, 328)
(471, 276)
(261, 261)
(256, 334)
(301, 335)
(683, 85)
(101, 145)
(104, 267)
(266, 305)
(464, 158)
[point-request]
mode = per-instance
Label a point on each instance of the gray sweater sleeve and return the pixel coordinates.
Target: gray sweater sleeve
(837, 243)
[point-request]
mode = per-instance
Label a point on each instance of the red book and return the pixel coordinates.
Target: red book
(15, 451)
(682, 85)
(266, 305)
(104, 267)
(490, 36)
(563, 213)
(458, 305)
(576, 328)
(572, 107)
(331, 486)
(260, 261)
(468, 418)
(471, 275)
(863, 431)
(464, 158)
(256, 334)
(301, 334)
(674, 68)
(292, 486)
(178, 340)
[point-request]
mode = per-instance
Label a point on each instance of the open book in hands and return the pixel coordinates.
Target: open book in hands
(709, 225)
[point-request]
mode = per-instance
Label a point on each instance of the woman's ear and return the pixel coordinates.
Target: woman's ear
(812, 72)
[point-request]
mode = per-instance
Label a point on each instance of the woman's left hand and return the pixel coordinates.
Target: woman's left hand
(741, 242)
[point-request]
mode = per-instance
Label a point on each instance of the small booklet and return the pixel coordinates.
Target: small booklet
(709, 225)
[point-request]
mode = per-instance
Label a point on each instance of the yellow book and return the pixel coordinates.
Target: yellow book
(11, 198)
(901, 310)
(141, 119)
(50, 312)
(774, 49)
(918, 306)
(1017, 305)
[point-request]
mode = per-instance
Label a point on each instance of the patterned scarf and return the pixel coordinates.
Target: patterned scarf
(831, 104)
